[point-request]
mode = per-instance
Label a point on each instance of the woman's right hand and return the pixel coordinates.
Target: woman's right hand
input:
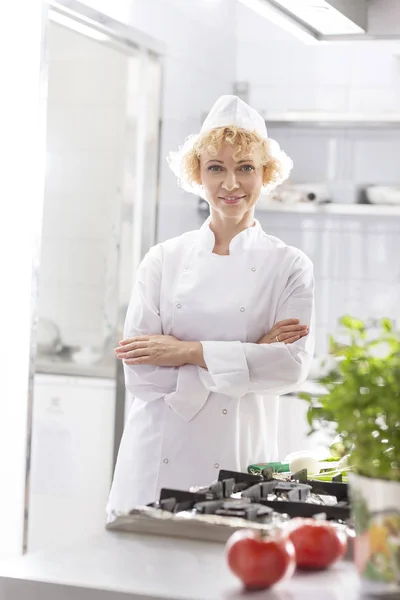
(287, 331)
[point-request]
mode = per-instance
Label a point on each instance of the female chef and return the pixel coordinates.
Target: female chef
(220, 322)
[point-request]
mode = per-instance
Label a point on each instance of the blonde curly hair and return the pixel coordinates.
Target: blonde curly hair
(185, 163)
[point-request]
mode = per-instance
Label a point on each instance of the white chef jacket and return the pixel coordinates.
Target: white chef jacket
(188, 422)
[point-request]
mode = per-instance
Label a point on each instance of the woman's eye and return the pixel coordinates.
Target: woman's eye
(218, 168)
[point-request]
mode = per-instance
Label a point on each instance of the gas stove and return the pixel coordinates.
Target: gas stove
(234, 501)
(257, 497)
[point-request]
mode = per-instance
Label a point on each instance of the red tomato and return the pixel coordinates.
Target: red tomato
(260, 561)
(318, 544)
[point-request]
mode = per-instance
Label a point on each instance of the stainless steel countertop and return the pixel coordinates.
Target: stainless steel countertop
(106, 369)
(136, 566)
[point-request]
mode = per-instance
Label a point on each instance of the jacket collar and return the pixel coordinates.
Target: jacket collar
(242, 241)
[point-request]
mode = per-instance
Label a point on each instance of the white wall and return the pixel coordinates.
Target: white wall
(86, 121)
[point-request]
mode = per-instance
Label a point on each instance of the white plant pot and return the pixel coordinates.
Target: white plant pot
(376, 511)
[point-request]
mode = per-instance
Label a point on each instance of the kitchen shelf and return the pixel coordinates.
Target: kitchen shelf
(331, 209)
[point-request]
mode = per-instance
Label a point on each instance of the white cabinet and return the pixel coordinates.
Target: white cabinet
(72, 459)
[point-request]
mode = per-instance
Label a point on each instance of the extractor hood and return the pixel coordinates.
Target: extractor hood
(327, 17)
(333, 20)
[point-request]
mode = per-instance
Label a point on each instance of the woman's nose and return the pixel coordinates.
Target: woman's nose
(230, 182)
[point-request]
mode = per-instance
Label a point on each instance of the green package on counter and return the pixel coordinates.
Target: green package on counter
(278, 467)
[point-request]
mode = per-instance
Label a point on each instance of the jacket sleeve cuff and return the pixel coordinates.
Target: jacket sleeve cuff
(190, 395)
(227, 372)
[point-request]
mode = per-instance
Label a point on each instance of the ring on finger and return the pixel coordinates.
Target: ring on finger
(277, 338)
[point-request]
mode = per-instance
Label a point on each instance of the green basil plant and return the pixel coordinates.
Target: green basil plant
(362, 399)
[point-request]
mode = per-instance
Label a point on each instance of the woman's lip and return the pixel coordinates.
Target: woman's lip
(231, 200)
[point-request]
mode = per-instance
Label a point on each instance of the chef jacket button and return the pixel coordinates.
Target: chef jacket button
(166, 461)
(186, 267)
(242, 309)
(179, 306)
(253, 269)
(224, 412)
(216, 466)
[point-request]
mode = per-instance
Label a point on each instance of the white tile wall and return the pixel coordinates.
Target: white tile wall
(376, 159)
(372, 99)
(356, 265)
(373, 65)
(80, 212)
(91, 127)
(85, 137)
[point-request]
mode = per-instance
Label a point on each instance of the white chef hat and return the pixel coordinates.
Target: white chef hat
(231, 110)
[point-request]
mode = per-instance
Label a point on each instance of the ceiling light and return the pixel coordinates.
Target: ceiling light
(315, 20)
(278, 17)
(322, 15)
(77, 26)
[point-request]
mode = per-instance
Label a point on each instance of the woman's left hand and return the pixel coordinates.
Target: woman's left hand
(159, 350)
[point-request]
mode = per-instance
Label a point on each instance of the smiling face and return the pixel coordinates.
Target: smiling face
(232, 184)
(230, 167)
